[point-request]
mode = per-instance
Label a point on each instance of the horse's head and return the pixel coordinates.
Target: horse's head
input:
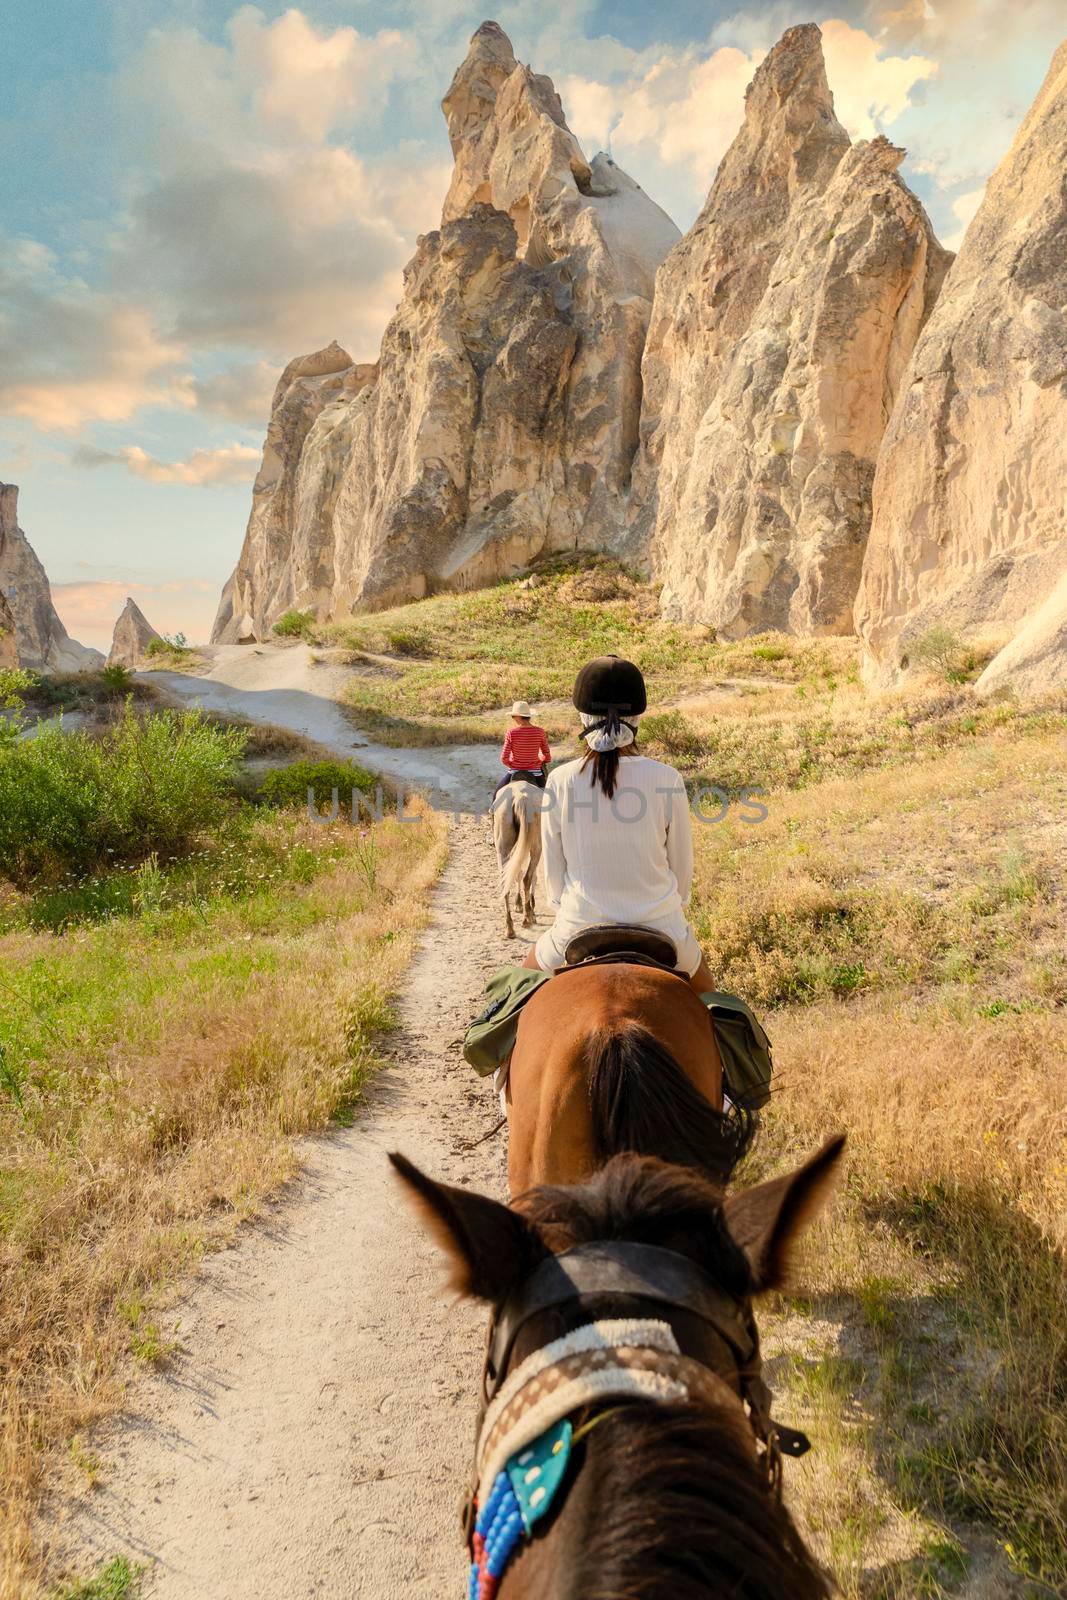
(648, 1267)
(745, 1242)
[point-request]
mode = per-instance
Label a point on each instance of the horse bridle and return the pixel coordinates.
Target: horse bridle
(589, 1276)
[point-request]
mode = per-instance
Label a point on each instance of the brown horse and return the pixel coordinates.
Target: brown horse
(613, 1057)
(666, 1497)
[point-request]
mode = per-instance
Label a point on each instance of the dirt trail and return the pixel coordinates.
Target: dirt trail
(313, 1434)
(285, 685)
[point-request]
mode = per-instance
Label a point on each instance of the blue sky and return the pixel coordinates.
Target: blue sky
(196, 191)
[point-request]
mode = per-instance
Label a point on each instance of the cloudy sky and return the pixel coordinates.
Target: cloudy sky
(195, 191)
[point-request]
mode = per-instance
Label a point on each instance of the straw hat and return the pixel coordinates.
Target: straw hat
(521, 708)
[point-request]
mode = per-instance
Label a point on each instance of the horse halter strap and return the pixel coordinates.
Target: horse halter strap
(608, 1270)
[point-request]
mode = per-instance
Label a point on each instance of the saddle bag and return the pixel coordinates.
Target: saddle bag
(490, 1039)
(743, 1045)
(744, 1049)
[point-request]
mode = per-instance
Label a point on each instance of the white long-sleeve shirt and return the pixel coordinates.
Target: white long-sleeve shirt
(628, 859)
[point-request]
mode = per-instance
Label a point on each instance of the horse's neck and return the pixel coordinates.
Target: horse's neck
(598, 1545)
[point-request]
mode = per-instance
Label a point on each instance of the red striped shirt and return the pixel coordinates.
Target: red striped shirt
(525, 748)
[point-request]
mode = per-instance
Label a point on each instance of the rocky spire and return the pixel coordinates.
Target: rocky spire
(969, 523)
(133, 634)
(42, 642)
(781, 324)
(502, 416)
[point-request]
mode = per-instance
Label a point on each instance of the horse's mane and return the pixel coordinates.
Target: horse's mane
(680, 1512)
(641, 1100)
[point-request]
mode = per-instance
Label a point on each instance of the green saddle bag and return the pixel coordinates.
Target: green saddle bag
(490, 1039)
(744, 1048)
(743, 1045)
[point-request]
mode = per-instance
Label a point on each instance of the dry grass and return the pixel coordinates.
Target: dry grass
(906, 922)
(157, 1069)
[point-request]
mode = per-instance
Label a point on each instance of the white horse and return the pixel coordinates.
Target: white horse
(517, 837)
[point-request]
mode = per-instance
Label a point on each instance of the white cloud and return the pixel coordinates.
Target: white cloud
(241, 392)
(870, 89)
(246, 231)
(963, 208)
(228, 464)
(674, 117)
(69, 353)
(307, 82)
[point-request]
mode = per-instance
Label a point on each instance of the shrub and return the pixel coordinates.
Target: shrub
(944, 652)
(116, 678)
(71, 802)
(14, 684)
(408, 641)
(294, 625)
(168, 645)
(289, 786)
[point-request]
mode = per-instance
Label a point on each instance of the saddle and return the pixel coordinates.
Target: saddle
(620, 942)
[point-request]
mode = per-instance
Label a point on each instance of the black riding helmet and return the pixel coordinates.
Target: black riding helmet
(610, 684)
(612, 690)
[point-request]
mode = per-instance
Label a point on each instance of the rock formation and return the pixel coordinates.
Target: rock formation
(502, 416)
(133, 634)
(969, 500)
(781, 326)
(9, 655)
(41, 640)
(263, 585)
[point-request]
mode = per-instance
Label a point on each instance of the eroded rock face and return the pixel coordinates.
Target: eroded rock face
(782, 324)
(969, 498)
(41, 641)
(502, 417)
(9, 655)
(133, 634)
(262, 586)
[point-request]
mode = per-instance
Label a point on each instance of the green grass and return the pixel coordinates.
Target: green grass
(118, 1580)
(448, 661)
(900, 913)
(295, 625)
(291, 784)
(71, 802)
(166, 1028)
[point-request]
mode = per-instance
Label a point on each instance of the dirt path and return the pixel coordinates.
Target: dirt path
(283, 684)
(312, 1436)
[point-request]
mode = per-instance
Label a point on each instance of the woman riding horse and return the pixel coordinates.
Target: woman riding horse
(613, 1056)
(616, 832)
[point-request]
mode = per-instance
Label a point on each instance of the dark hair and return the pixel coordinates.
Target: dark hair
(605, 765)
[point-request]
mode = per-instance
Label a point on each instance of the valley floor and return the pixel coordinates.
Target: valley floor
(897, 917)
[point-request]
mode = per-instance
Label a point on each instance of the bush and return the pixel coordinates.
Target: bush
(70, 802)
(116, 678)
(168, 645)
(943, 652)
(294, 625)
(14, 684)
(289, 786)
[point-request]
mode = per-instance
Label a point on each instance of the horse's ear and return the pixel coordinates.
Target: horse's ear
(489, 1246)
(768, 1220)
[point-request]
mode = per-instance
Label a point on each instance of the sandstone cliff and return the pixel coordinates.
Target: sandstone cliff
(9, 655)
(41, 640)
(263, 585)
(502, 416)
(133, 634)
(969, 499)
(781, 326)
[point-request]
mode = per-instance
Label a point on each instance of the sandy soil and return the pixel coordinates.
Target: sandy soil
(282, 684)
(312, 1435)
